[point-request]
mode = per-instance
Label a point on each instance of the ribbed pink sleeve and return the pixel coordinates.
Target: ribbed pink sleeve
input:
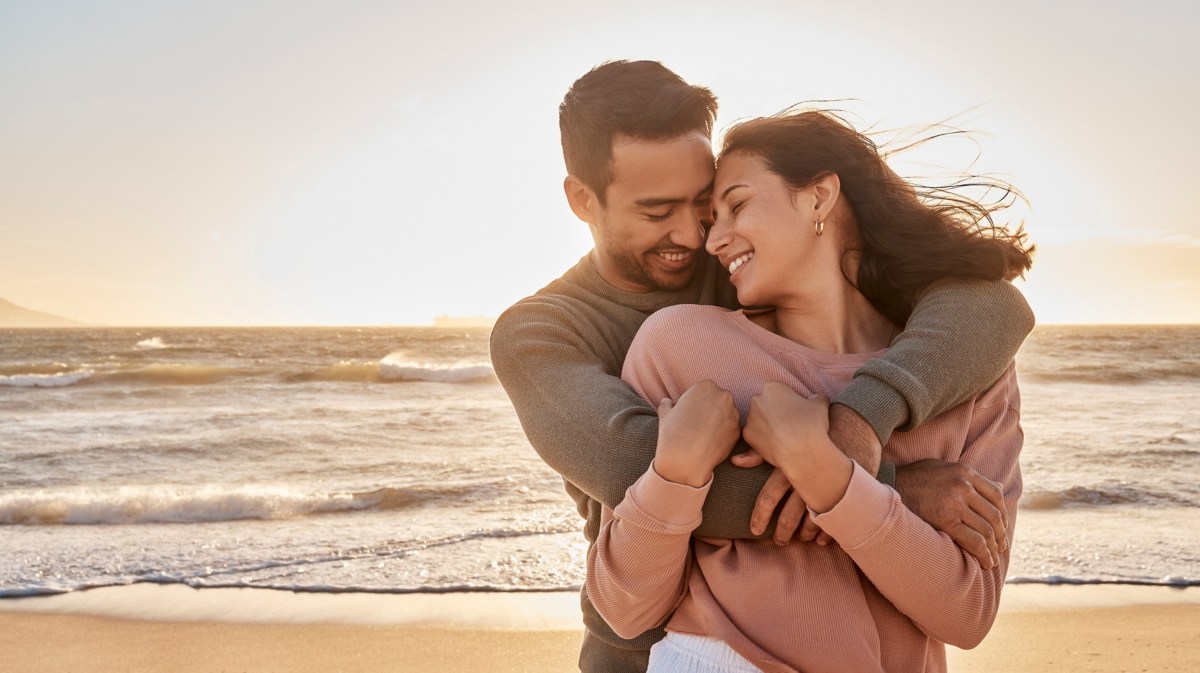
(637, 569)
(922, 571)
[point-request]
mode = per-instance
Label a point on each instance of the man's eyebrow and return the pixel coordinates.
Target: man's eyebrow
(730, 188)
(655, 202)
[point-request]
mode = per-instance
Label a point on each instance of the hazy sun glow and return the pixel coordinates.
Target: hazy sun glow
(380, 163)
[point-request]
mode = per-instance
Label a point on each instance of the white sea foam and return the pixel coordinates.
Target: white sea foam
(151, 344)
(45, 380)
(167, 504)
(392, 368)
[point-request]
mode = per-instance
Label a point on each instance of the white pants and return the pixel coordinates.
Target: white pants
(686, 653)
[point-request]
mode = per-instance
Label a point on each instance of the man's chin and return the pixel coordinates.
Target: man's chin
(673, 282)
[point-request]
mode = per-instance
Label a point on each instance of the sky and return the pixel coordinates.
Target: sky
(377, 163)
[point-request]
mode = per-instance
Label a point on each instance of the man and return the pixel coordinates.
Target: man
(636, 140)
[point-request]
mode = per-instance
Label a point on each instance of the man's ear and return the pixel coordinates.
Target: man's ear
(826, 191)
(582, 199)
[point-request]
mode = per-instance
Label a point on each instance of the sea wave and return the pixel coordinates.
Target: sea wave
(35, 380)
(400, 370)
(151, 344)
(175, 374)
(1121, 372)
(167, 504)
(1102, 496)
(195, 374)
(391, 370)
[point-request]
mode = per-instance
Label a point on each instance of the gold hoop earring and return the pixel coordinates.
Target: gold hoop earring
(820, 227)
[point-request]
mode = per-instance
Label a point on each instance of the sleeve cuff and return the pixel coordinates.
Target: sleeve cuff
(879, 403)
(654, 503)
(861, 512)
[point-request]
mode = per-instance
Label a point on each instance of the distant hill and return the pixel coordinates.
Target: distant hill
(12, 315)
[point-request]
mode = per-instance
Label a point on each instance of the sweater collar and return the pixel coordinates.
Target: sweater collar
(590, 278)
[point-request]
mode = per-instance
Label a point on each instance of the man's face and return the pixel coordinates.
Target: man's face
(650, 232)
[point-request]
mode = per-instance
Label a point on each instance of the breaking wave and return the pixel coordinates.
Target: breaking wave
(398, 370)
(45, 380)
(151, 344)
(1104, 496)
(168, 504)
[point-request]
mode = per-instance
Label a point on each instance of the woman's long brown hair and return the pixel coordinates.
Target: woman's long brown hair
(908, 236)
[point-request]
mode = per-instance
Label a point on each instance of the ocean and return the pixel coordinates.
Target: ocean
(390, 460)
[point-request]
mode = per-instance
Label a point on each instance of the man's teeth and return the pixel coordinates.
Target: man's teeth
(674, 256)
(733, 266)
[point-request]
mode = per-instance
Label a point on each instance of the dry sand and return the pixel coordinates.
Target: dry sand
(149, 628)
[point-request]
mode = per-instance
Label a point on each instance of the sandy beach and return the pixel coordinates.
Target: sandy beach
(156, 628)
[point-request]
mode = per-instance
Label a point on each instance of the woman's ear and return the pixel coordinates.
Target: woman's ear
(827, 189)
(581, 198)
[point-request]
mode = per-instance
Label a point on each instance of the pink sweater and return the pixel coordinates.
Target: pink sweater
(884, 598)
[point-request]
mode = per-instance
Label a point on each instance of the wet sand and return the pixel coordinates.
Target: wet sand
(155, 628)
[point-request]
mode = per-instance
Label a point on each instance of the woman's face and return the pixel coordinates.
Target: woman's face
(764, 233)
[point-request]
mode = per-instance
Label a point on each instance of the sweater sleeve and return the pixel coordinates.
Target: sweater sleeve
(960, 337)
(942, 588)
(637, 569)
(589, 425)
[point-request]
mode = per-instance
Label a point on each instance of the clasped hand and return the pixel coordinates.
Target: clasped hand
(696, 433)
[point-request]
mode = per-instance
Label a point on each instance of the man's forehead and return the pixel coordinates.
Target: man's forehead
(683, 164)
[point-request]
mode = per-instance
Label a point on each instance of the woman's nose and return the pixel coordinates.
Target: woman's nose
(718, 236)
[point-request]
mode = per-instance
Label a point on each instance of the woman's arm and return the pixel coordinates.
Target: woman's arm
(950, 594)
(638, 568)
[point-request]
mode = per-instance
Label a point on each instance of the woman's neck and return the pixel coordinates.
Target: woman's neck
(836, 320)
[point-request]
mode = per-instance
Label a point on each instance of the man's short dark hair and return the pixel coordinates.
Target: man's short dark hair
(639, 99)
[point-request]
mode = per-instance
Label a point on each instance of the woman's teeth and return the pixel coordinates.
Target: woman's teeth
(733, 266)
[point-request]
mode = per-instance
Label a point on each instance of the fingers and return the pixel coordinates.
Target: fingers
(750, 458)
(973, 543)
(665, 406)
(769, 497)
(982, 528)
(790, 518)
(811, 531)
(991, 506)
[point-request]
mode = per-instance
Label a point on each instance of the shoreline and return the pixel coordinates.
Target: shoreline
(551, 610)
(145, 628)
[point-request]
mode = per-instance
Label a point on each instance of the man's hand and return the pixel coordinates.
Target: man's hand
(960, 502)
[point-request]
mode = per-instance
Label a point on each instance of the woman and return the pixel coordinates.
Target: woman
(812, 222)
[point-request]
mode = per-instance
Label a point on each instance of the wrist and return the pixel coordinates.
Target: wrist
(854, 437)
(821, 479)
(686, 474)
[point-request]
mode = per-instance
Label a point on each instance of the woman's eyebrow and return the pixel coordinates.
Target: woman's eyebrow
(730, 188)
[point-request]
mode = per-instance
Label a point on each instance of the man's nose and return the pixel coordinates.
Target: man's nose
(689, 230)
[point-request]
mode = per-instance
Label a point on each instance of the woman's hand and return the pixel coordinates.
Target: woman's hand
(792, 433)
(696, 433)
